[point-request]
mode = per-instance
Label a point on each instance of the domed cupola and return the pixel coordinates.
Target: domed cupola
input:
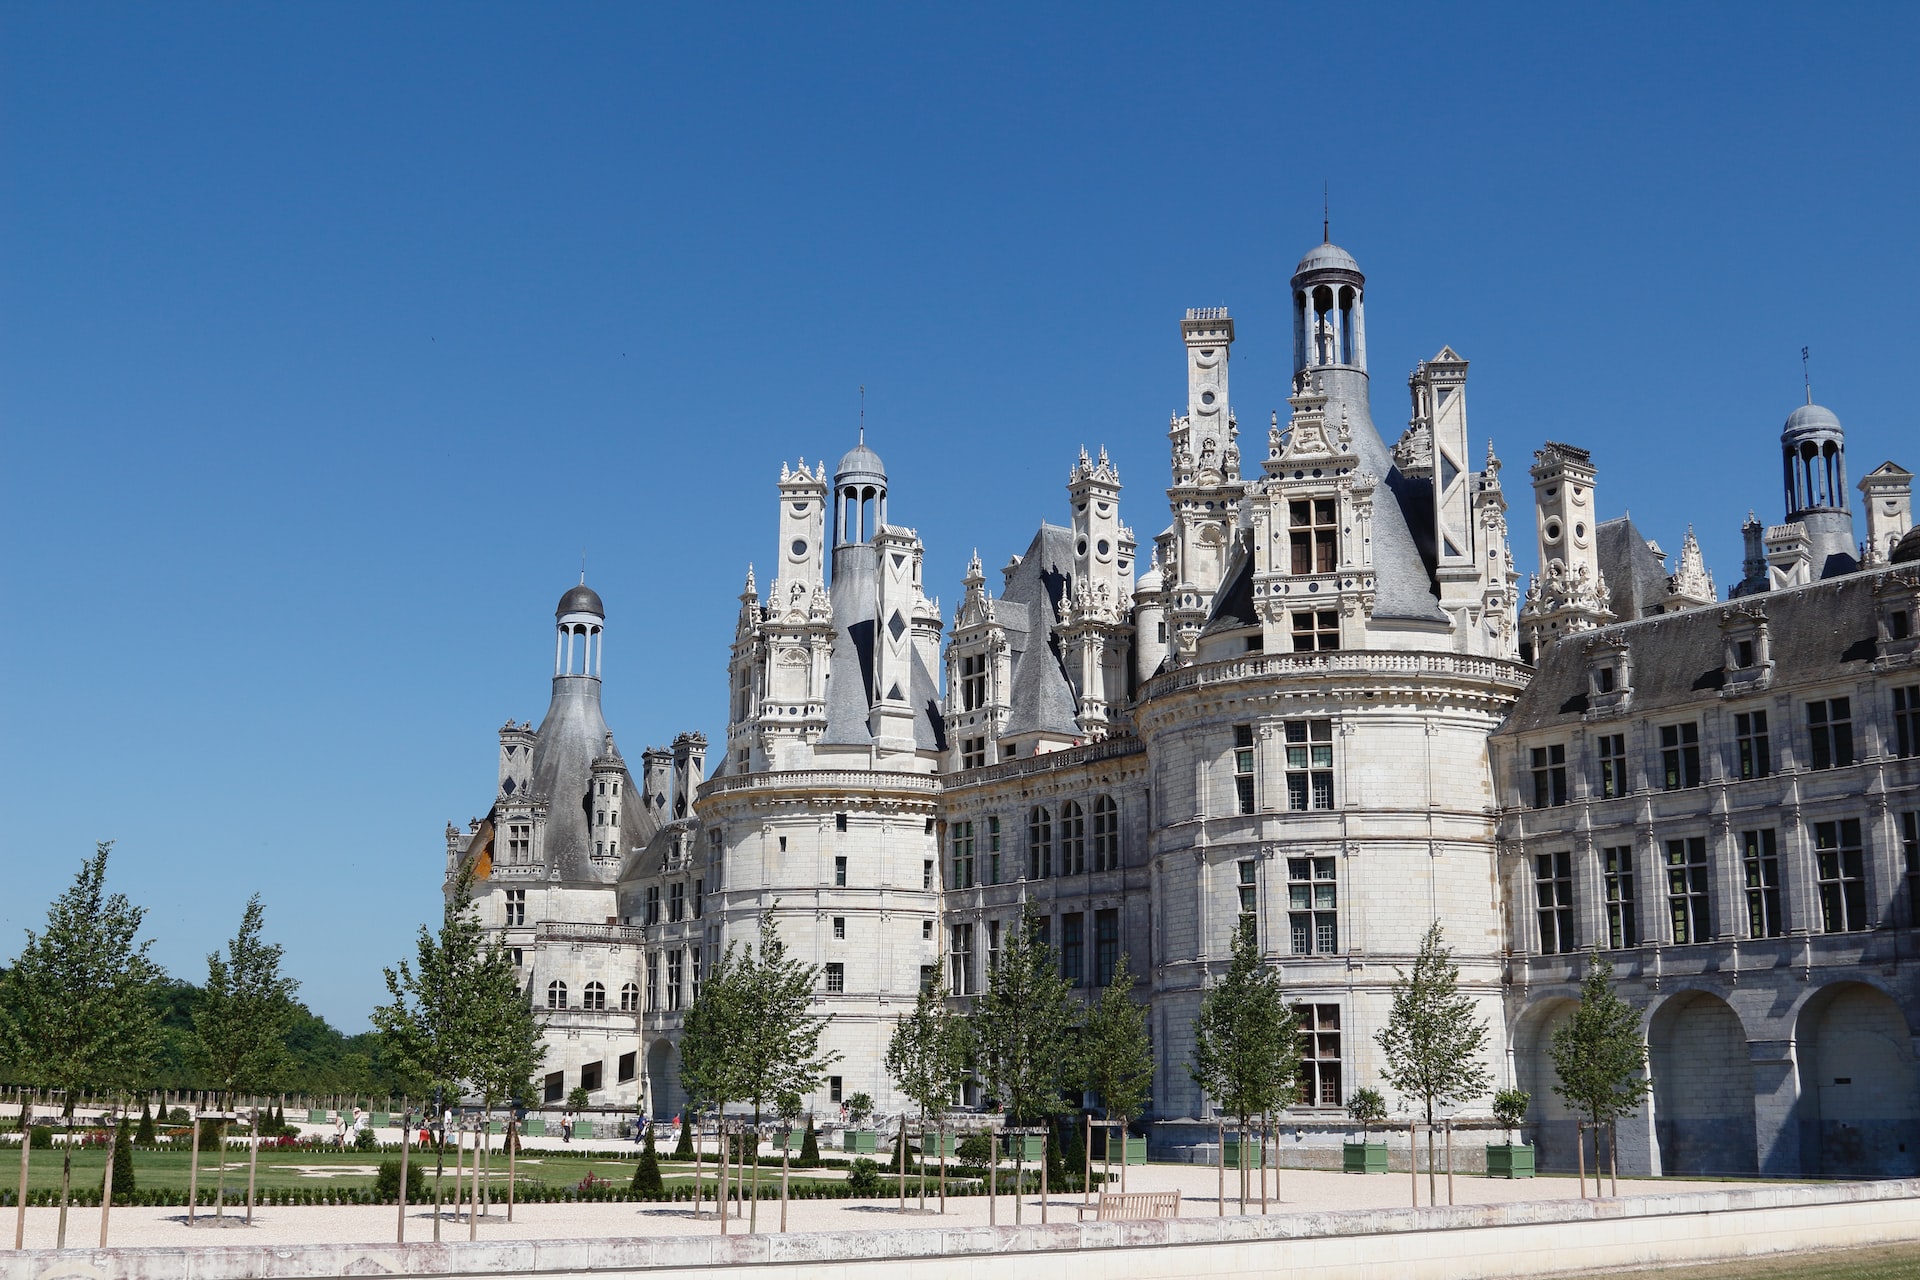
(1329, 319)
(580, 622)
(860, 489)
(1813, 456)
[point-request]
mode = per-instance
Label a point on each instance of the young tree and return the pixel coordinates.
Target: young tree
(1117, 1056)
(1022, 1029)
(709, 1066)
(646, 1174)
(508, 1048)
(241, 1024)
(1432, 1042)
(1246, 1041)
(927, 1058)
(78, 1007)
(1598, 1053)
(427, 1029)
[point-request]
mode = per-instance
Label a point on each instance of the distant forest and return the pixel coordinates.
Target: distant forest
(324, 1060)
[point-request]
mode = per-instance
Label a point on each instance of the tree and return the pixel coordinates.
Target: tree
(1432, 1042)
(927, 1058)
(1022, 1028)
(77, 1009)
(241, 1026)
(123, 1185)
(709, 1069)
(1598, 1053)
(507, 1047)
(144, 1135)
(1117, 1055)
(1246, 1041)
(646, 1174)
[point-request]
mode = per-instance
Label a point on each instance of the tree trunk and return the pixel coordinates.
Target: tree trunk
(193, 1167)
(903, 1162)
(753, 1209)
(473, 1197)
(686, 1118)
(1086, 1163)
(1580, 1151)
(786, 1168)
(725, 1159)
(400, 1227)
(1613, 1155)
(942, 1131)
(923, 1164)
(1221, 1133)
(26, 1148)
(513, 1152)
(439, 1177)
(66, 1171)
(106, 1184)
(1433, 1178)
(253, 1163)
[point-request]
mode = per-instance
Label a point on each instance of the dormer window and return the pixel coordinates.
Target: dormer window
(1609, 678)
(1746, 652)
(1314, 528)
(1603, 680)
(1897, 596)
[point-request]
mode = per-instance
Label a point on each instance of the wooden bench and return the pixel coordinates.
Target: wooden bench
(1128, 1206)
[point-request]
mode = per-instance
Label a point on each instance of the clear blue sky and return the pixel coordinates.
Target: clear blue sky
(331, 334)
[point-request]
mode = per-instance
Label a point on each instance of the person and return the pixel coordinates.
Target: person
(340, 1129)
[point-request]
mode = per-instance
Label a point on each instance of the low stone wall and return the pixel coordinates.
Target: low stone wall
(1469, 1242)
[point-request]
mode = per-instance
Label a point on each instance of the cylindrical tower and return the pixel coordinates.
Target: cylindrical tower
(1813, 456)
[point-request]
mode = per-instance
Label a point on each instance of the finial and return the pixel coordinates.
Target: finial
(863, 413)
(1326, 214)
(1806, 373)
(583, 566)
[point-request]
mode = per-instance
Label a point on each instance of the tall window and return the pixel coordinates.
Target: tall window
(1687, 895)
(960, 862)
(960, 959)
(993, 851)
(1243, 768)
(653, 904)
(1910, 849)
(1106, 834)
(1249, 894)
(1830, 733)
(1553, 901)
(1312, 903)
(516, 906)
(519, 844)
(973, 753)
(1106, 945)
(1840, 866)
(1906, 721)
(1309, 764)
(1750, 744)
(699, 898)
(693, 954)
(1610, 749)
(594, 996)
(676, 974)
(840, 871)
(1680, 755)
(677, 901)
(629, 997)
(836, 977)
(716, 855)
(1073, 839)
(1549, 765)
(1616, 875)
(993, 945)
(1316, 629)
(1760, 862)
(1314, 526)
(556, 995)
(973, 682)
(653, 980)
(840, 927)
(1073, 946)
(1319, 1054)
(1039, 843)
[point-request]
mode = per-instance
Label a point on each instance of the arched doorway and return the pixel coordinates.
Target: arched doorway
(663, 1080)
(1554, 1122)
(1702, 1086)
(1859, 1085)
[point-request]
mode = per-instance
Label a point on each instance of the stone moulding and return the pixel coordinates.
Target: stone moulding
(575, 1257)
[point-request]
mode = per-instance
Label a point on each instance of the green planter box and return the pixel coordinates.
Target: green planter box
(537, 1128)
(1238, 1159)
(1135, 1152)
(317, 1116)
(496, 1126)
(789, 1141)
(1505, 1161)
(1032, 1146)
(860, 1142)
(379, 1119)
(937, 1145)
(1363, 1157)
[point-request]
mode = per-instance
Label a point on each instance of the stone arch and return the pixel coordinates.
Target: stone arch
(663, 1080)
(1703, 1115)
(1859, 1085)
(1553, 1121)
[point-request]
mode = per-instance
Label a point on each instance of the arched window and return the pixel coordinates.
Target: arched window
(594, 997)
(630, 997)
(1073, 839)
(1106, 834)
(556, 995)
(1039, 843)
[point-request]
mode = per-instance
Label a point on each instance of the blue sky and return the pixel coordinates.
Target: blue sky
(331, 335)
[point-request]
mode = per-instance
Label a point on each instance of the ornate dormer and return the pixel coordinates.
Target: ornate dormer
(1691, 586)
(1896, 598)
(979, 675)
(1746, 646)
(1609, 677)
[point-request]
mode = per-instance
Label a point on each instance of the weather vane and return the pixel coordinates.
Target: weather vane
(1806, 373)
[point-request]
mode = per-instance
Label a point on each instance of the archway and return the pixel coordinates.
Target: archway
(1859, 1085)
(663, 1082)
(1554, 1122)
(1702, 1070)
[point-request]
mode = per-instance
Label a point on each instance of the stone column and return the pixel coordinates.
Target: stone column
(1776, 1107)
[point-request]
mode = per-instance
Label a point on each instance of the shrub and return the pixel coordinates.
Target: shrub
(809, 1146)
(683, 1150)
(863, 1180)
(179, 1116)
(1510, 1108)
(1367, 1108)
(646, 1174)
(363, 1140)
(859, 1108)
(386, 1182)
(974, 1150)
(144, 1135)
(40, 1137)
(123, 1185)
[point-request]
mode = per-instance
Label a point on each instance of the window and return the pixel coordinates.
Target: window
(676, 972)
(653, 980)
(1687, 889)
(594, 996)
(1830, 733)
(1315, 531)
(1611, 751)
(1039, 843)
(839, 822)
(556, 995)
(1106, 945)
(1840, 866)
(1679, 756)
(1073, 946)
(1750, 744)
(993, 851)
(1073, 839)
(629, 1065)
(590, 1077)
(516, 906)
(1906, 721)
(1760, 860)
(1616, 873)
(1316, 629)
(1319, 1054)
(699, 898)
(519, 844)
(840, 927)
(833, 1089)
(840, 871)
(653, 904)
(519, 957)
(993, 945)
(973, 682)
(677, 901)
(926, 874)
(973, 752)
(1553, 901)
(1549, 765)
(1243, 767)
(716, 855)
(926, 976)
(960, 863)
(630, 998)
(600, 815)
(836, 978)
(1249, 895)
(1309, 764)
(926, 931)
(1106, 834)
(1311, 901)
(960, 959)
(1910, 850)
(694, 953)
(555, 1086)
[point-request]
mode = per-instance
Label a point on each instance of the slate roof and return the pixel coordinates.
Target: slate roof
(570, 736)
(1040, 697)
(1636, 580)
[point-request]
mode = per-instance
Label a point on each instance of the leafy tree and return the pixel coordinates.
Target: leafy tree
(1117, 1055)
(1022, 1028)
(507, 1045)
(1246, 1041)
(1368, 1109)
(1432, 1042)
(1598, 1053)
(646, 1174)
(709, 1070)
(927, 1058)
(77, 1007)
(242, 1021)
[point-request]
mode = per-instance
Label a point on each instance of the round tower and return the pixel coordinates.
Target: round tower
(579, 623)
(860, 490)
(1813, 456)
(1329, 315)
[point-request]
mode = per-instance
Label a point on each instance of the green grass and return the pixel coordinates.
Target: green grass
(1886, 1262)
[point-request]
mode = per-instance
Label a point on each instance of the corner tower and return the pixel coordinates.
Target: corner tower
(1813, 456)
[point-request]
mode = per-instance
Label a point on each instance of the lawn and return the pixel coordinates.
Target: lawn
(1888, 1262)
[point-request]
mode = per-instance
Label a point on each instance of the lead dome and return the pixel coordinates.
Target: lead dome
(580, 599)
